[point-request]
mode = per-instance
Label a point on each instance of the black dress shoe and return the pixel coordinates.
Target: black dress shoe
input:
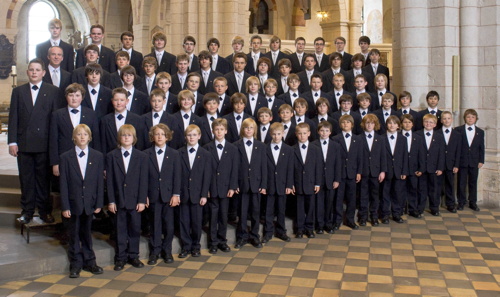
(352, 226)
(452, 209)
(374, 222)
(299, 234)
(435, 213)
(48, 218)
(195, 253)
(310, 234)
(240, 243)
(320, 231)
(212, 250)
(474, 207)
(256, 243)
(414, 214)
(398, 220)
(336, 226)
(152, 259)
(119, 265)
(24, 219)
(75, 272)
(283, 237)
(329, 230)
(93, 269)
(385, 220)
(183, 254)
(266, 239)
(168, 259)
(362, 222)
(460, 207)
(136, 263)
(224, 247)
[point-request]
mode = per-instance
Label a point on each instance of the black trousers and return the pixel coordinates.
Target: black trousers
(191, 217)
(467, 176)
(34, 174)
(218, 207)
(275, 204)
(80, 250)
(128, 232)
(161, 219)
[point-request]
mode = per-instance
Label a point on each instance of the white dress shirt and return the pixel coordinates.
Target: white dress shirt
(126, 160)
(82, 161)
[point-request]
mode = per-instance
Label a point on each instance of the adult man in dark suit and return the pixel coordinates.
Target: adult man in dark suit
(275, 55)
(127, 39)
(207, 74)
(364, 45)
(346, 57)
(254, 55)
(219, 63)
(335, 60)
(188, 44)
(299, 56)
(322, 59)
(106, 56)
(179, 79)
(237, 78)
(42, 49)
(55, 74)
(166, 61)
(30, 111)
(375, 68)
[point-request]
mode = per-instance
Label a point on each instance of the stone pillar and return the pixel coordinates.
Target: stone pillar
(355, 25)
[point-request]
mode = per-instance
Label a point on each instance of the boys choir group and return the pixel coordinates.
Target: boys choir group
(240, 135)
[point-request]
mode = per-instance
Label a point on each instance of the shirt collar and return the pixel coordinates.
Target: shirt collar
(157, 148)
(223, 142)
(344, 133)
(159, 53)
(51, 68)
(38, 85)
(188, 113)
(247, 139)
(369, 133)
(123, 150)
(79, 108)
(79, 150)
(301, 143)
(238, 114)
(194, 146)
(124, 113)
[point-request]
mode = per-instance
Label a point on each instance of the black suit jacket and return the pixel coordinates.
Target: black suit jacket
(304, 82)
(413, 113)
(281, 173)
(195, 182)
(333, 102)
(267, 139)
(223, 65)
(172, 104)
(164, 183)
(166, 119)
(275, 70)
(374, 160)
(250, 62)
(380, 69)
(311, 105)
(127, 189)
(308, 174)
(453, 149)
(226, 107)
(350, 77)
(229, 60)
(103, 105)
(296, 65)
(232, 83)
(142, 85)
(346, 61)
(471, 155)
(252, 175)
(140, 103)
(434, 155)
(61, 132)
(64, 81)
(335, 125)
(352, 160)
(176, 86)
(206, 130)
(78, 76)
(178, 139)
(357, 120)
(209, 87)
(166, 64)
(332, 167)
(287, 97)
(419, 124)
(416, 154)
(109, 133)
(68, 62)
(291, 138)
(81, 194)
(376, 104)
(397, 163)
(195, 65)
(325, 63)
(29, 124)
(261, 102)
(106, 59)
(224, 171)
(380, 115)
(328, 79)
(232, 130)
(136, 61)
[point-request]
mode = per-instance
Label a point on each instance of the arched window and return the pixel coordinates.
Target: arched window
(39, 16)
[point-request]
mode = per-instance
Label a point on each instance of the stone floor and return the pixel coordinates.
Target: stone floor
(451, 255)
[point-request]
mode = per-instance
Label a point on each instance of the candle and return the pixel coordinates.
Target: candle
(14, 70)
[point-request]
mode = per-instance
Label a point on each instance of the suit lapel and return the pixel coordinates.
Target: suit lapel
(119, 161)
(26, 97)
(185, 157)
(298, 154)
(67, 119)
(154, 160)
(74, 163)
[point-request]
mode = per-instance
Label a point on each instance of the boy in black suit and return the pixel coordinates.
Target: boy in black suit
(196, 170)
(273, 103)
(127, 186)
(432, 99)
(285, 66)
(252, 182)
(223, 186)
(308, 173)
(237, 44)
(254, 55)
(275, 55)
(136, 58)
(91, 53)
(351, 154)
(380, 83)
(31, 106)
(207, 74)
(416, 157)
(293, 89)
(220, 87)
(188, 45)
(156, 116)
(183, 118)
(236, 118)
(397, 171)
(434, 164)
(346, 109)
(335, 60)
(340, 43)
(374, 68)
(280, 183)
(42, 49)
(453, 146)
(106, 56)
(314, 94)
(111, 123)
(305, 75)
(179, 79)
(357, 64)
(97, 97)
(256, 100)
(219, 64)
(323, 109)
(237, 78)
(211, 105)
(286, 114)
(123, 60)
(82, 195)
(148, 71)
(166, 61)
(63, 122)
(360, 86)
(164, 189)
(373, 172)
(163, 82)
(138, 101)
(330, 178)
(405, 101)
(364, 102)
(264, 116)
(193, 82)
(321, 58)
(300, 108)
(338, 91)
(364, 45)
(471, 159)
(386, 111)
(299, 56)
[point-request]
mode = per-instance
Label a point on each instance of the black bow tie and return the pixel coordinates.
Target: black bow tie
(269, 100)
(93, 91)
(249, 143)
(220, 98)
(381, 93)
(276, 147)
(238, 117)
(294, 95)
(264, 128)
(407, 134)
(126, 154)
(428, 133)
(405, 111)
(156, 115)
(34, 88)
(386, 114)
(74, 111)
(285, 127)
(363, 113)
(392, 137)
(304, 146)
(315, 94)
(119, 117)
(192, 150)
(369, 136)
(128, 93)
(220, 146)
(433, 112)
(447, 131)
(324, 142)
(159, 152)
(81, 154)
(347, 135)
(212, 119)
(470, 128)
(186, 116)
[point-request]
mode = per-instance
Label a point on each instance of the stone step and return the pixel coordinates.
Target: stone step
(45, 255)
(10, 181)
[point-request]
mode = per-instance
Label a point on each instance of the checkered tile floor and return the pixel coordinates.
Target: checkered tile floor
(451, 255)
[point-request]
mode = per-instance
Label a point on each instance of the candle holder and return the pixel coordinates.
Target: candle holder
(14, 80)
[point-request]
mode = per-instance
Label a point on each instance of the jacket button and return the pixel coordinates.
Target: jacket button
(84, 187)
(218, 173)
(159, 179)
(190, 179)
(125, 185)
(249, 169)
